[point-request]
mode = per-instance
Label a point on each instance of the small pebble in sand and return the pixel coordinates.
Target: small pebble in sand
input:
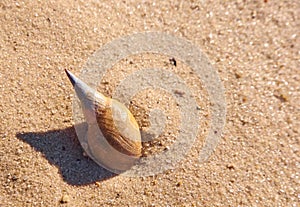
(98, 184)
(179, 183)
(65, 199)
(173, 61)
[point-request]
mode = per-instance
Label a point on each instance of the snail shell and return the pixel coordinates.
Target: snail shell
(113, 139)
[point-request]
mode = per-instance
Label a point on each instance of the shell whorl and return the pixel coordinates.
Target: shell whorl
(118, 146)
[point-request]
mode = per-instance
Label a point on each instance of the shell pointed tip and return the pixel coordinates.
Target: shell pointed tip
(71, 77)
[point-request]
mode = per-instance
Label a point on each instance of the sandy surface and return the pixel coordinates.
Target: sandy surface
(255, 48)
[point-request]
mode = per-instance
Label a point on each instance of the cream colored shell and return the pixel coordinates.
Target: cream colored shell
(113, 139)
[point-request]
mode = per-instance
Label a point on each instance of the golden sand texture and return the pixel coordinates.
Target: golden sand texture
(254, 46)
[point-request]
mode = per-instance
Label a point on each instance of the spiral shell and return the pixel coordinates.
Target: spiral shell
(113, 139)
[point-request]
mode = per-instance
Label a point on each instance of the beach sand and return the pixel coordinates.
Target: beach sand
(254, 46)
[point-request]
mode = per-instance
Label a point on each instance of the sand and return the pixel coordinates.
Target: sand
(254, 46)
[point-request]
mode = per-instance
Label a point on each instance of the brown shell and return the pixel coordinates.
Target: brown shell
(120, 132)
(120, 146)
(112, 139)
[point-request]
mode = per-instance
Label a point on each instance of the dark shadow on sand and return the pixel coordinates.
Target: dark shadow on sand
(62, 148)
